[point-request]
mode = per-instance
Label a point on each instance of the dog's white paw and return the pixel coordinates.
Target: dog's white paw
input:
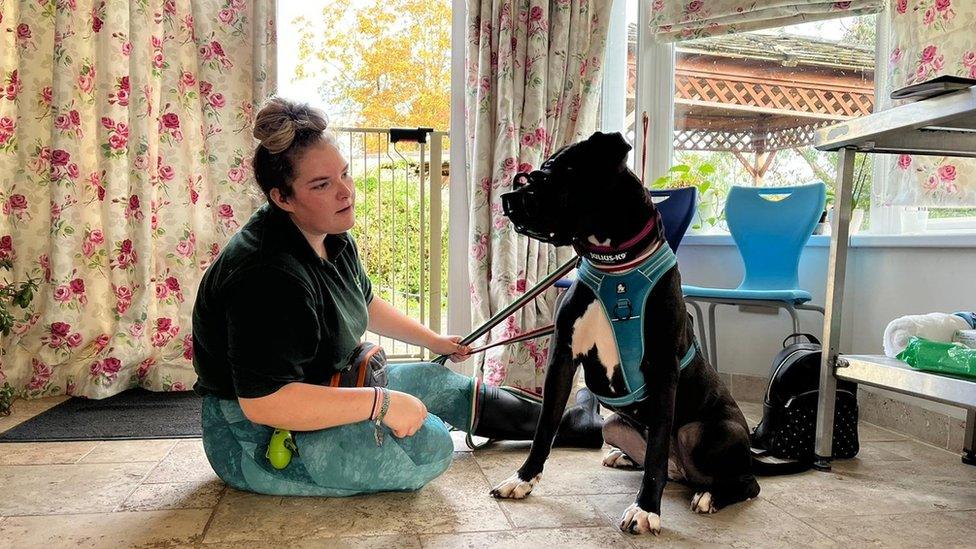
(515, 488)
(702, 503)
(618, 459)
(639, 521)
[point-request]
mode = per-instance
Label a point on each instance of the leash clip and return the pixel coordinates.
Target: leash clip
(622, 310)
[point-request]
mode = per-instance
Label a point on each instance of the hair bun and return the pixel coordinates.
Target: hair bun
(280, 119)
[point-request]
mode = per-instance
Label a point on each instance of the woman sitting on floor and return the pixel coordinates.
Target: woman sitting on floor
(282, 309)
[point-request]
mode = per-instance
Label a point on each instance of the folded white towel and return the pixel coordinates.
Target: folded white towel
(966, 337)
(934, 326)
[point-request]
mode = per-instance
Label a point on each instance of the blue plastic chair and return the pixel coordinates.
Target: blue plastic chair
(770, 236)
(677, 207)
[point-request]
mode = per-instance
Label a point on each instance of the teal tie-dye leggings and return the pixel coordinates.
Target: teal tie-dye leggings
(344, 460)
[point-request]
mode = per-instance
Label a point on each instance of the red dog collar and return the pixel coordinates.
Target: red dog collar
(627, 253)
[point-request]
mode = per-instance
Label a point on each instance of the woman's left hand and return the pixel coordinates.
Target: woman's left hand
(450, 345)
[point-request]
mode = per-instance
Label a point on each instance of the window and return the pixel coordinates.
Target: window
(746, 106)
(618, 102)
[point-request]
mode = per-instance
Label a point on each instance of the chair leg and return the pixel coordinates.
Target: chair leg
(700, 320)
(796, 320)
(819, 309)
(712, 335)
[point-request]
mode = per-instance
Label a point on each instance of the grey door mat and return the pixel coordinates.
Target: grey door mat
(132, 414)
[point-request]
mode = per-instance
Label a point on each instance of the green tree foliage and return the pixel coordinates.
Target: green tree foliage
(385, 62)
(862, 31)
(389, 210)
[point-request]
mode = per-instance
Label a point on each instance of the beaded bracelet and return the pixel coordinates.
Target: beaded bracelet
(379, 419)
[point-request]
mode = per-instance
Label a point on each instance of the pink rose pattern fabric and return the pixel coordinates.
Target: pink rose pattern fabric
(930, 38)
(124, 143)
(689, 19)
(533, 85)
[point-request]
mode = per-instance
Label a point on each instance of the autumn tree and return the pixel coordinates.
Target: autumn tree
(384, 62)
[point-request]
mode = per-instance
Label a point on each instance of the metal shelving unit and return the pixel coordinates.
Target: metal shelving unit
(942, 126)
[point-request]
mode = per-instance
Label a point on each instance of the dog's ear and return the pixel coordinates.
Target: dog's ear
(612, 147)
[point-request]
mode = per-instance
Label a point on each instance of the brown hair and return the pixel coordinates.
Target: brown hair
(285, 129)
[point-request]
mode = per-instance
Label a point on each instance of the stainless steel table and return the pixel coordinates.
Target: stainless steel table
(942, 126)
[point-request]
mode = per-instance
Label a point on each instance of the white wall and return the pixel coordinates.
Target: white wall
(887, 277)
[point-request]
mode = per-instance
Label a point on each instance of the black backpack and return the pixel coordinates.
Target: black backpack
(789, 422)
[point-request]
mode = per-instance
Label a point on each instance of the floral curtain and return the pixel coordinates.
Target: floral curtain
(533, 85)
(124, 143)
(688, 19)
(930, 38)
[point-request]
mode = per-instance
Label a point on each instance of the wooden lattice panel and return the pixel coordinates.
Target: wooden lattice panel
(754, 140)
(812, 97)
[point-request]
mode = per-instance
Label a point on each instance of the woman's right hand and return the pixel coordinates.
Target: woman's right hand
(406, 414)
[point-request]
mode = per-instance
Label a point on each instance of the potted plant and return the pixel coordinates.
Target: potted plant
(710, 195)
(859, 199)
(12, 294)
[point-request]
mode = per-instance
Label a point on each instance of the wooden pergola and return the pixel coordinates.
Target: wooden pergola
(754, 94)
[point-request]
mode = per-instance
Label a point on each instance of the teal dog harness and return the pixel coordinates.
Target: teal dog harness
(623, 298)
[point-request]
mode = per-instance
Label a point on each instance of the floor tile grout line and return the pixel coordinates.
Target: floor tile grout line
(585, 527)
(611, 522)
(500, 507)
(132, 491)
(947, 450)
(161, 460)
(69, 463)
(73, 514)
(470, 532)
(142, 480)
(419, 535)
(919, 441)
(527, 528)
(812, 527)
(213, 513)
(912, 513)
(88, 453)
(883, 428)
(100, 442)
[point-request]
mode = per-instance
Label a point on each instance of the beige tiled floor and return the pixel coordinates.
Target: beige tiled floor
(162, 493)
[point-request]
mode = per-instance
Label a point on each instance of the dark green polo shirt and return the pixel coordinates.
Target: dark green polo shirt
(269, 311)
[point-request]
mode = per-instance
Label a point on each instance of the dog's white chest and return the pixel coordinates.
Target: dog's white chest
(591, 329)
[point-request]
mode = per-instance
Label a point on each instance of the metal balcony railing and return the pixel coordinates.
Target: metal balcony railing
(401, 202)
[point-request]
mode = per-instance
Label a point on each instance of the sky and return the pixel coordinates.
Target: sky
(288, 50)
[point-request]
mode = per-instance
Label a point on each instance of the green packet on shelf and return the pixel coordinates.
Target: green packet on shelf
(943, 358)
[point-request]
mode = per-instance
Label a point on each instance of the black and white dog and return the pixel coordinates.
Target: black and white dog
(585, 195)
